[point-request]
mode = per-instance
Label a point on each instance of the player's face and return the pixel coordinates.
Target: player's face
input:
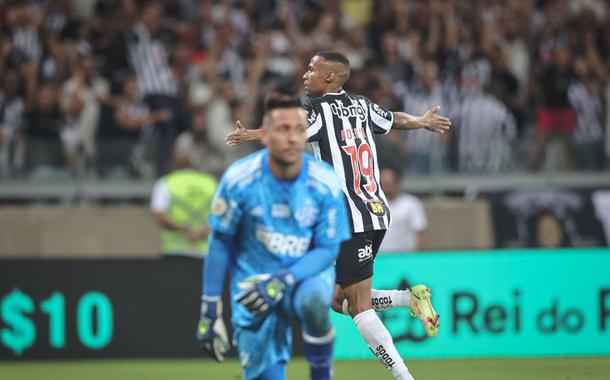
(285, 135)
(314, 77)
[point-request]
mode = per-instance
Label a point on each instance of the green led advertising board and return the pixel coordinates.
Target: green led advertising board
(496, 303)
(491, 303)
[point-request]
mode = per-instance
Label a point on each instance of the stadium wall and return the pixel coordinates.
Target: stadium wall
(129, 231)
(77, 232)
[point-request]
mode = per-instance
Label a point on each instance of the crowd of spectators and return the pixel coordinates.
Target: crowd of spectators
(110, 88)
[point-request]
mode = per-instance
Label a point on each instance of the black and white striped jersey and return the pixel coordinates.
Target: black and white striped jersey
(149, 58)
(587, 103)
(28, 42)
(341, 132)
(417, 101)
(485, 130)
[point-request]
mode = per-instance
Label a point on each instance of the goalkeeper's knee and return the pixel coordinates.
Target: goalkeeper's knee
(314, 312)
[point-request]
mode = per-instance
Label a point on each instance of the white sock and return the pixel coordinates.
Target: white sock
(380, 342)
(387, 299)
(384, 300)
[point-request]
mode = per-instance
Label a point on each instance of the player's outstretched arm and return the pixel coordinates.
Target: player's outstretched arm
(242, 135)
(429, 120)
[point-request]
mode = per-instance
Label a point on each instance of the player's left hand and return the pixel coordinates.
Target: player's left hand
(239, 136)
(262, 292)
(434, 122)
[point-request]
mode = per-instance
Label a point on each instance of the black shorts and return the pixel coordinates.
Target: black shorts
(356, 257)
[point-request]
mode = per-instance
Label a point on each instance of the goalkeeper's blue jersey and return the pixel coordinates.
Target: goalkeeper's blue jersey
(275, 222)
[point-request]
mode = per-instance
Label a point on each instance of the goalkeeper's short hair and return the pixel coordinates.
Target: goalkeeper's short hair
(277, 101)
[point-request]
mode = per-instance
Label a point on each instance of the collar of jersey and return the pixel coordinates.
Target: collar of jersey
(335, 93)
(267, 171)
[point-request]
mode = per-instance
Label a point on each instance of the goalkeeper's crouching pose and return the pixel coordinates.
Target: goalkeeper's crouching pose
(278, 219)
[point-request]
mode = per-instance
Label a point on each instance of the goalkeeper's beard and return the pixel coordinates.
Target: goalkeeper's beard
(288, 169)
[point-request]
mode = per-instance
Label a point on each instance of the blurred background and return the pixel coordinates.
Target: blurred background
(102, 99)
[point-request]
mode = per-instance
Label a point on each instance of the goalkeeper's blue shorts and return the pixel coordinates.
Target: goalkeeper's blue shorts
(264, 344)
(270, 341)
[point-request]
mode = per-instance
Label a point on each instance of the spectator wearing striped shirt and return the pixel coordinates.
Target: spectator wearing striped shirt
(485, 127)
(133, 141)
(585, 95)
(25, 21)
(80, 101)
(149, 55)
(427, 151)
(12, 125)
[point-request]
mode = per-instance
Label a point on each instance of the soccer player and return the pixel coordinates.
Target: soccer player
(340, 132)
(278, 219)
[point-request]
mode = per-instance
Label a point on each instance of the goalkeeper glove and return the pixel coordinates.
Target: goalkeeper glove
(211, 331)
(262, 292)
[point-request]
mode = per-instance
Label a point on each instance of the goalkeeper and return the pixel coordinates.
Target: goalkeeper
(278, 218)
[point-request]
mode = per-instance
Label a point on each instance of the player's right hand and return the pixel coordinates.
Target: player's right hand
(211, 331)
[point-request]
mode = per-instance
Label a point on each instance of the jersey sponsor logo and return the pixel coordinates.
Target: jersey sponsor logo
(384, 357)
(365, 253)
(376, 208)
(280, 210)
(355, 110)
(282, 244)
(380, 111)
(219, 206)
(306, 215)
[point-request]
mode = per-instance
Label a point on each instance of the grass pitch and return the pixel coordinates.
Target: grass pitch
(205, 369)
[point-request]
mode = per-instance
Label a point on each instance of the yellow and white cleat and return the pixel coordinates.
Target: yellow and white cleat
(420, 306)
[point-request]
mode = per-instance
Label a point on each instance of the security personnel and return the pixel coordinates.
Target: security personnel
(180, 203)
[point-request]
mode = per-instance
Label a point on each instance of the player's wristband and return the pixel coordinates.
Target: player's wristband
(211, 307)
(286, 277)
